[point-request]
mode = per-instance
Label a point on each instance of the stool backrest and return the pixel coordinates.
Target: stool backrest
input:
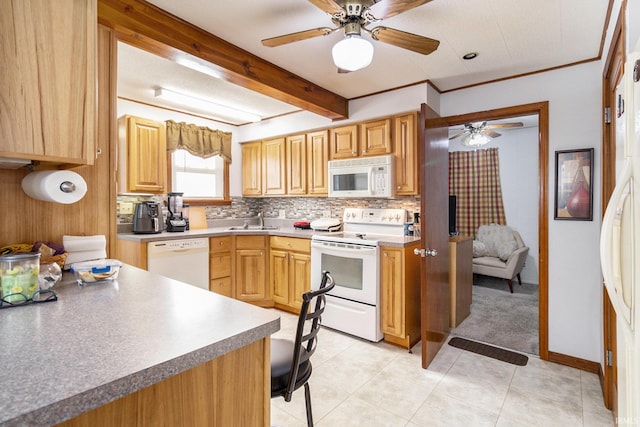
(308, 326)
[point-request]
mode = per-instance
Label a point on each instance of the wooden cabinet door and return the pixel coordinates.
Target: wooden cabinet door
(344, 142)
(48, 86)
(299, 277)
(146, 162)
(375, 137)
(392, 291)
(251, 277)
(279, 275)
(252, 169)
(317, 161)
(273, 162)
(296, 164)
(406, 149)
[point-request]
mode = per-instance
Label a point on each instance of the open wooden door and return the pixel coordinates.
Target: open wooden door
(433, 137)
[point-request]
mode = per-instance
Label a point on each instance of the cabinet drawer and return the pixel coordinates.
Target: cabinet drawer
(217, 244)
(291, 244)
(220, 265)
(251, 242)
(221, 286)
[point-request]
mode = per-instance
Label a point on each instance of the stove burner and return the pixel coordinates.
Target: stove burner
(361, 236)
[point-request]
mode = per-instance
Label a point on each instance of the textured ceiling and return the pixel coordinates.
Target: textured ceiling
(511, 37)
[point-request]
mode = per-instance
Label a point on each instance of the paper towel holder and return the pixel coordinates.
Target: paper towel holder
(67, 187)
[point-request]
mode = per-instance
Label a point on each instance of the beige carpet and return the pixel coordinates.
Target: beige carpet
(501, 318)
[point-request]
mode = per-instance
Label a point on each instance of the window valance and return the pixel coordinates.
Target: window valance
(198, 140)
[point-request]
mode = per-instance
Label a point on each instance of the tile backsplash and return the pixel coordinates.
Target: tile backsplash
(303, 208)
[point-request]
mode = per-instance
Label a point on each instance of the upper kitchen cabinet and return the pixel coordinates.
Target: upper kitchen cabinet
(144, 167)
(375, 137)
(252, 169)
(317, 158)
(344, 142)
(372, 138)
(48, 89)
(296, 165)
(273, 167)
(406, 154)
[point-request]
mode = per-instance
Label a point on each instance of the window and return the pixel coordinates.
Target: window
(203, 181)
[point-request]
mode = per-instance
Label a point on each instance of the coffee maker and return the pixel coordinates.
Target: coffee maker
(175, 220)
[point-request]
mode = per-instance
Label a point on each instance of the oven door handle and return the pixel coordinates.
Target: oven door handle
(366, 250)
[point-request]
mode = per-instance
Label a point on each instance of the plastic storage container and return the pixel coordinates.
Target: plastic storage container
(19, 276)
(97, 271)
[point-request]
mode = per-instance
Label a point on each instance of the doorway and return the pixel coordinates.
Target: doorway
(500, 317)
(541, 111)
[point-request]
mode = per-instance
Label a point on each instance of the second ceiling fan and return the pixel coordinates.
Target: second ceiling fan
(480, 133)
(354, 52)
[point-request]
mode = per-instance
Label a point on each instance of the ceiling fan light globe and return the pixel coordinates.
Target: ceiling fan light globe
(475, 140)
(352, 53)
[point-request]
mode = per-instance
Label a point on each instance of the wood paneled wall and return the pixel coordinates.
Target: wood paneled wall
(25, 220)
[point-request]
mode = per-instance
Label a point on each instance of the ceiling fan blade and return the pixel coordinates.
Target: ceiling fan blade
(490, 133)
(457, 135)
(505, 125)
(329, 6)
(387, 8)
(413, 42)
(296, 37)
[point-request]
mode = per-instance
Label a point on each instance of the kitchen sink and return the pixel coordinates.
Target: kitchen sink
(252, 228)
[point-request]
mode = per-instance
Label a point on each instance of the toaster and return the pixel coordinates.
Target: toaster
(146, 218)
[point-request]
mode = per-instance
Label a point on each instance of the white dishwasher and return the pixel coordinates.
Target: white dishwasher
(186, 260)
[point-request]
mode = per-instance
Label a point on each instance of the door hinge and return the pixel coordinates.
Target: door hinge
(608, 358)
(607, 115)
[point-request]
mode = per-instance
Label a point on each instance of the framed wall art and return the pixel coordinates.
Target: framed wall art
(573, 186)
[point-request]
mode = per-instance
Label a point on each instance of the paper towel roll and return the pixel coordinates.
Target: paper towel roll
(84, 243)
(59, 186)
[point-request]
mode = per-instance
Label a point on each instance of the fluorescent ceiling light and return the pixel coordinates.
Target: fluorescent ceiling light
(205, 105)
(198, 66)
(352, 53)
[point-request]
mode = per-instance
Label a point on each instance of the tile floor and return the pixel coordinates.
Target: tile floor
(358, 383)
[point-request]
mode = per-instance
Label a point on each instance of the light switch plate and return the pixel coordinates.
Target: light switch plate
(326, 214)
(282, 213)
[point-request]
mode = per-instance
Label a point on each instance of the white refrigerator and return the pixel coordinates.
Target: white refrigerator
(620, 243)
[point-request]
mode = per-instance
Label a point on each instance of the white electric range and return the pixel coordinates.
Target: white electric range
(352, 256)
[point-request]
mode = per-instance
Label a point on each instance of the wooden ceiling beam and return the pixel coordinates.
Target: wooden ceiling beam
(148, 27)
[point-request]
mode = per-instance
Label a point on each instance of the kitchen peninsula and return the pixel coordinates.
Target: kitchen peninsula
(143, 350)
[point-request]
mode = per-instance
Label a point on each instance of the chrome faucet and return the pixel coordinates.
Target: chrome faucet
(261, 219)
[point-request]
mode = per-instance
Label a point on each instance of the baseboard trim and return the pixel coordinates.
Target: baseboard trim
(575, 362)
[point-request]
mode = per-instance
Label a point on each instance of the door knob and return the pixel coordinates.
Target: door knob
(425, 252)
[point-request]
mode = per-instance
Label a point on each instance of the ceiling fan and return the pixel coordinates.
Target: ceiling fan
(480, 133)
(354, 52)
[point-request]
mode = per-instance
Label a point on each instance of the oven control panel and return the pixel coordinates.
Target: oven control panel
(374, 216)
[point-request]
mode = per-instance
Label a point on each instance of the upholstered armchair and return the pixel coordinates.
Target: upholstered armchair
(498, 251)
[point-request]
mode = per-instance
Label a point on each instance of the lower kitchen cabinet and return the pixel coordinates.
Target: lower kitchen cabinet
(251, 270)
(400, 295)
(220, 265)
(289, 271)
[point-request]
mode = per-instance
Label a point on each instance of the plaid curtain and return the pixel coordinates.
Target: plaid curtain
(474, 178)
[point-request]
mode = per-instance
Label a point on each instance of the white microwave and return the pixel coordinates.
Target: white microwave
(362, 177)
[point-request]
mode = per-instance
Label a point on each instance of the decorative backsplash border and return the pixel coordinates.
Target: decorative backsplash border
(303, 208)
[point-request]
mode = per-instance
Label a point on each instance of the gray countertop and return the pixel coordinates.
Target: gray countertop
(100, 342)
(283, 230)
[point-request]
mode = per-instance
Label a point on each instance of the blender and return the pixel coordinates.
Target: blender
(175, 220)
